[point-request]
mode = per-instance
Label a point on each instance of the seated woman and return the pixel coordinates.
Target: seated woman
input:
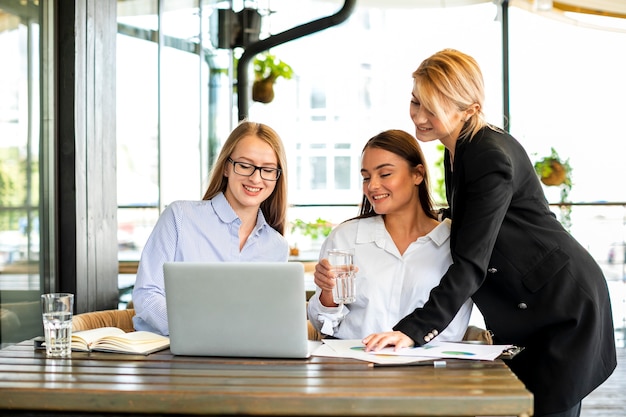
(241, 217)
(400, 248)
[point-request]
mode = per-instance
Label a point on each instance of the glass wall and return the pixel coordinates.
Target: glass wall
(354, 80)
(351, 81)
(174, 95)
(137, 123)
(20, 282)
(165, 83)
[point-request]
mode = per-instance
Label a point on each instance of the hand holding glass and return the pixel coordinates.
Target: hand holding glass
(57, 323)
(342, 266)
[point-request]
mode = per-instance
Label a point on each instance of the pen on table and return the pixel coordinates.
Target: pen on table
(434, 364)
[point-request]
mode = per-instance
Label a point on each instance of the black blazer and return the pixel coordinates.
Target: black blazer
(534, 284)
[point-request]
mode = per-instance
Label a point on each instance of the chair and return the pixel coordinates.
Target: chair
(313, 333)
(105, 318)
(476, 334)
(19, 321)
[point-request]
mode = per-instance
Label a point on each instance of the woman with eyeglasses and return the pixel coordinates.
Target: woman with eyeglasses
(241, 217)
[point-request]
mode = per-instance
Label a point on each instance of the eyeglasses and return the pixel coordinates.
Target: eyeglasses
(247, 170)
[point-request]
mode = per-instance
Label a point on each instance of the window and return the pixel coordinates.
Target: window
(20, 282)
(354, 80)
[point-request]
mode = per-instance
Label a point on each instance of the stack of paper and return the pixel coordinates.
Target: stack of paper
(433, 350)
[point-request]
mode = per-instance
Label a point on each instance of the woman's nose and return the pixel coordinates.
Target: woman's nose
(373, 184)
(256, 175)
(418, 115)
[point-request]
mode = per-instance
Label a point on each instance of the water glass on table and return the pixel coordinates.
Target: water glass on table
(342, 266)
(57, 323)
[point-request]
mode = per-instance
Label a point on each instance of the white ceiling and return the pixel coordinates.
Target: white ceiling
(616, 8)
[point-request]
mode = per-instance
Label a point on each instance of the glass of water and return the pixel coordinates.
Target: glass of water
(57, 323)
(342, 266)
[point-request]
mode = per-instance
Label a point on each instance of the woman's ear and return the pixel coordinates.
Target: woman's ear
(471, 111)
(419, 174)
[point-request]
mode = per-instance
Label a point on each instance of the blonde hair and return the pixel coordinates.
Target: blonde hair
(274, 208)
(451, 81)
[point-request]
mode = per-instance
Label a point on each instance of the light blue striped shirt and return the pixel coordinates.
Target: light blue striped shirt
(196, 231)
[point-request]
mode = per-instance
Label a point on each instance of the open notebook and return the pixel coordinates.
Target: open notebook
(243, 309)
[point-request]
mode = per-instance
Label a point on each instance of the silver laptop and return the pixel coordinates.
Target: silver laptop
(242, 309)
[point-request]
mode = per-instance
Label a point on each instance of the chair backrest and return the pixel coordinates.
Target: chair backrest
(105, 318)
(476, 334)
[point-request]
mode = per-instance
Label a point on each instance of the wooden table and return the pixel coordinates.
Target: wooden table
(161, 384)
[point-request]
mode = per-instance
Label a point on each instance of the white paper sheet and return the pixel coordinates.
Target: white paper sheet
(433, 350)
(449, 350)
(336, 348)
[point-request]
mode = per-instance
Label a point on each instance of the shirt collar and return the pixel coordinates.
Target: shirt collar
(372, 229)
(226, 213)
(223, 209)
(440, 234)
(260, 222)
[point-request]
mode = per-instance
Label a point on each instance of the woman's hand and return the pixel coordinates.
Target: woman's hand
(377, 341)
(325, 280)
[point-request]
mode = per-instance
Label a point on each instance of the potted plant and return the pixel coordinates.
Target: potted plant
(267, 69)
(553, 171)
(556, 172)
(315, 231)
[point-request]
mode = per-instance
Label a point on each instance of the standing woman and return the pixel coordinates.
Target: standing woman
(240, 218)
(534, 284)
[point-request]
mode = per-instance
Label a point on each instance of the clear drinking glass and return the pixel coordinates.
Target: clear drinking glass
(57, 311)
(342, 265)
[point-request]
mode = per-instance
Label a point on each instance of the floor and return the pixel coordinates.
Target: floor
(609, 400)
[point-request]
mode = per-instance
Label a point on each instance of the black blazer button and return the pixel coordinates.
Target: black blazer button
(492, 270)
(522, 306)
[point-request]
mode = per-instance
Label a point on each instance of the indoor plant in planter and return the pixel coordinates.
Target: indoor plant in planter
(268, 68)
(317, 231)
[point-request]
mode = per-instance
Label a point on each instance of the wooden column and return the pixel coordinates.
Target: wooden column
(86, 153)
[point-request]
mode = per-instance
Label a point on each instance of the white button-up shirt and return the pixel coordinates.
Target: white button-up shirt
(389, 286)
(196, 231)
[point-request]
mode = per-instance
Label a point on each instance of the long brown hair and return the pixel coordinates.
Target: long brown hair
(405, 146)
(274, 208)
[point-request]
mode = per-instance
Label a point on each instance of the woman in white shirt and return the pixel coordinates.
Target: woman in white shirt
(240, 218)
(400, 248)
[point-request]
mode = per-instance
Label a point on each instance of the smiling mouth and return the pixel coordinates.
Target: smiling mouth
(378, 197)
(252, 189)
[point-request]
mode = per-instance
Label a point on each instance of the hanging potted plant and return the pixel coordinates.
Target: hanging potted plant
(553, 171)
(267, 69)
(556, 172)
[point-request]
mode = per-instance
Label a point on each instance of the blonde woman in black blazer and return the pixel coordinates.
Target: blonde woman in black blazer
(535, 285)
